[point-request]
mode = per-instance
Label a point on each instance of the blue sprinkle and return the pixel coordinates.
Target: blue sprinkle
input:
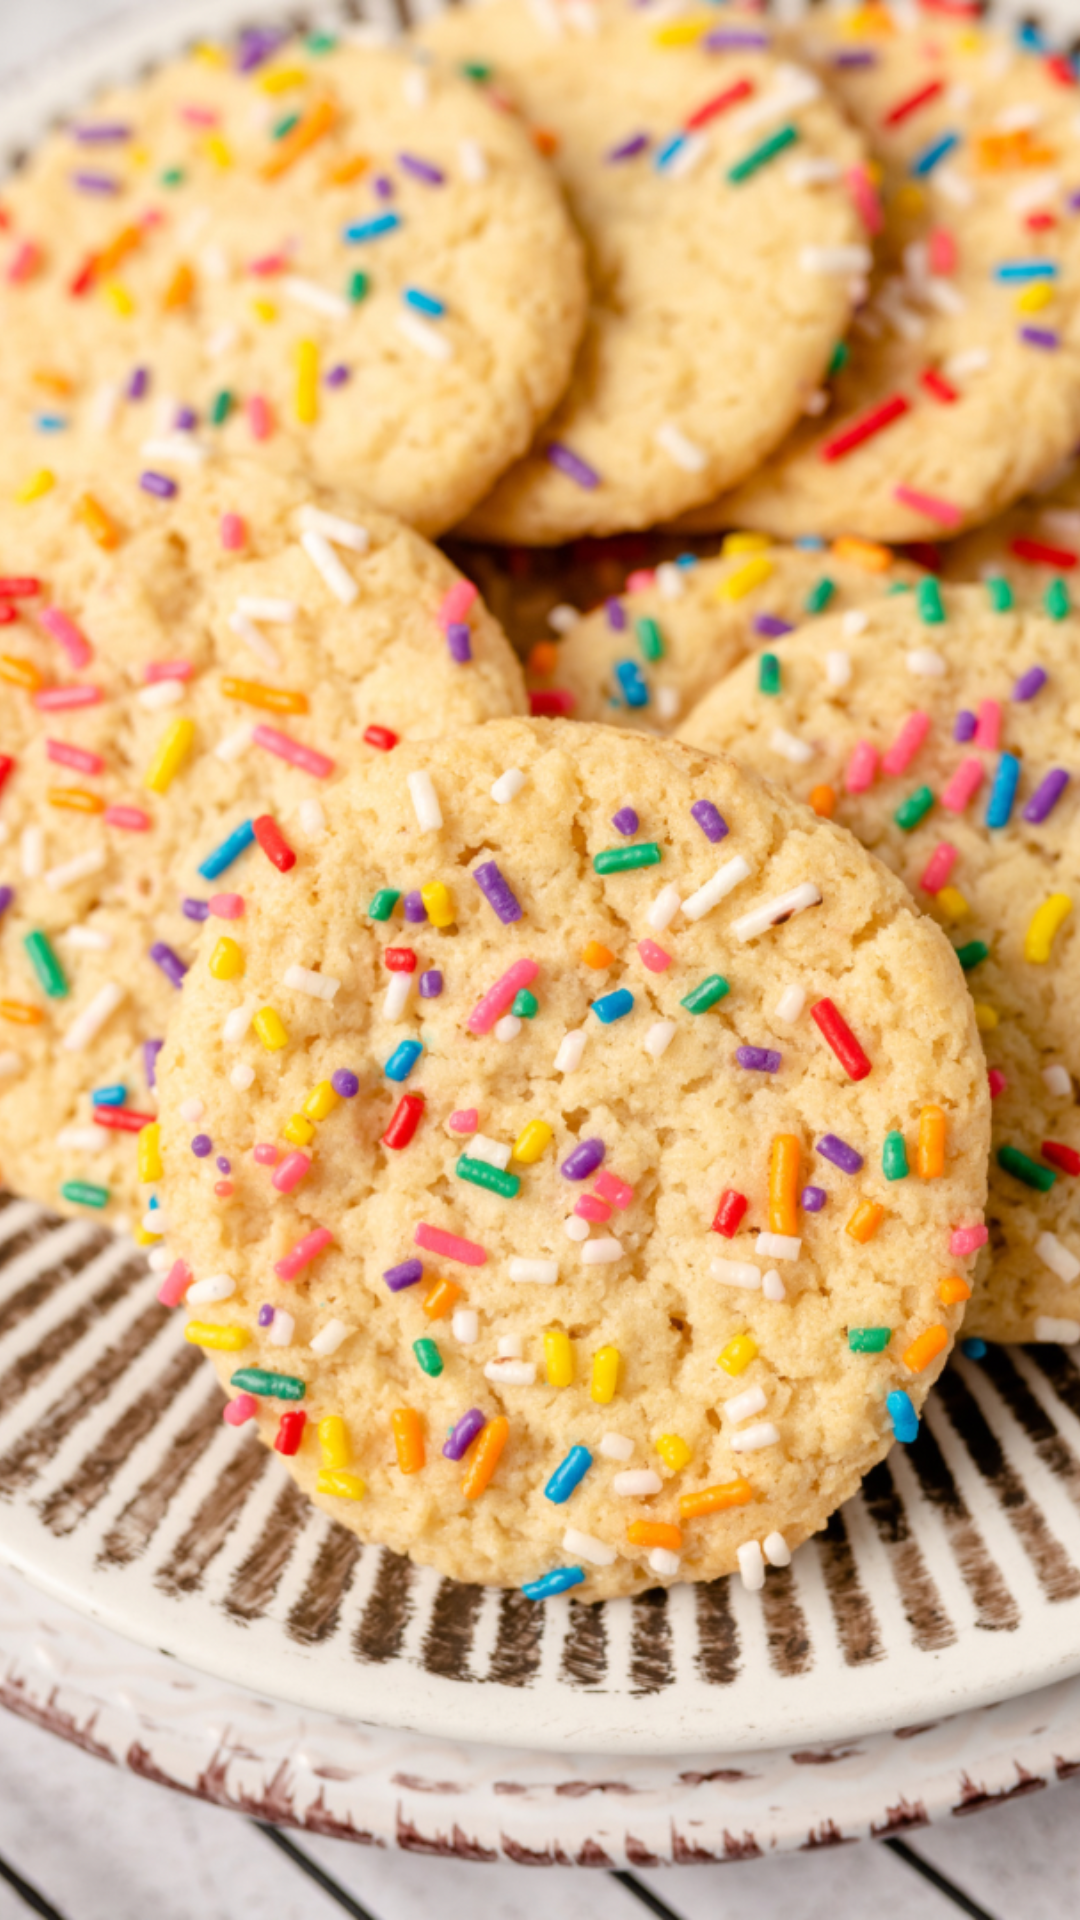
(113, 1096)
(613, 1006)
(424, 302)
(973, 1349)
(810, 542)
(403, 1059)
(374, 228)
(568, 1475)
(667, 153)
(905, 1420)
(230, 849)
(50, 422)
(934, 154)
(634, 690)
(1024, 270)
(1003, 792)
(552, 1583)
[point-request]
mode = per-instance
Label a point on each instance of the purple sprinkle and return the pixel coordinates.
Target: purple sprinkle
(583, 1160)
(159, 485)
(103, 135)
(758, 1059)
(138, 384)
(459, 641)
(255, 46)
(406, 1275)
(831, 1147)
(223, 1165)
(202, 1145)
(150, 1051)
(337, 376)
(424, 170)
(734, 40)
(383, 186)
(186, 420)
(966, 724)
(626, 149)
(195, 909)
(464, 1433)
(170, 963)
(710, 820)
(415, 910)
(96, 182)
(7, 895)
(345, 1083)
(1046, 796)
(813, 1199)
(1040, 337)
(616, 615)
(1030, 683)
(497, 892)
(769, 626)
(568, 462)
(266, 1316)
(855, 57)
(431, 984)
(625, 821)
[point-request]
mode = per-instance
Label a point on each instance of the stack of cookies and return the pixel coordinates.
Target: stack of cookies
(577, 1108)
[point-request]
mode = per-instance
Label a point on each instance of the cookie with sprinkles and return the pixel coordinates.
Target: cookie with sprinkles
(944, 730)
(714, 187)
(959, 386)
(1035, 546)
(176, 706)
(556, 1249)
(321, 251)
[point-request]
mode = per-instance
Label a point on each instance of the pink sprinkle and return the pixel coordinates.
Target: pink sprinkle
(865, 198)
(959, 792)
(199, 116)
(24, 262)
(965, 1240)
(861, 767)
(465, 1120)
(997, 1082)
(907, 743)
(132, 819)
(168, 670)
(260, 418)
(175, 1284)
(240, 1410)
(590, 1207)
(226, 906)
(943, 512)
(456, 602)
(941, 251)
(233, 532)
(291, 1171)
(80, 758)
(61, 699)
(67, 635)
(450, 1245)
(269, 263)
(266, 1155)
(499, 997)
(653, 956)
(616, 1191)
(306, 758)
(988, 727)
(640, 579)
(303, 1253)
(938, 867)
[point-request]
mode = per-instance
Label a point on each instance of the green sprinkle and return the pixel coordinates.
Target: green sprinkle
(172, 177)
(482, 1174)
(320, 42)
(526, 1005)
(768, 673)
(707, 994)
(431, 1360)
(931, 606)
(276, 1386)
(359, 287)
(284, 126)
(894, 1157)
(841, 354)
(220, 407)
(1000, 592)
(868, 1339)
(972, 954)
(650, 638)
(1022, 1167)
(83, 1193)
(46, 965)
(913, 809)
(760, 156)
(1056, 600)
(899, 586)
(819, 595)
(383, 903)
(644, 853)
(478, 70)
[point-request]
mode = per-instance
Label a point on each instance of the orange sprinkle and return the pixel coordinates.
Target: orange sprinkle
(543, 659)
(100, 525)
(930, 1149)
(180, 289)
(408, 1439)
(865, 1221)
(545, 141)
(996, 152)
(272, 699)
(20, 673)
(21, 1013)
(784, 1184)
(823, 801)
(344, 172)
(863, 553)
(952, 1291)
(76, 800)
(733, 1493)
(926, 1348)
(442, 1299)
(57, 383)
(485, 1458)
(595, 954)
(311, 127)
(128, 240)
(654, 1533)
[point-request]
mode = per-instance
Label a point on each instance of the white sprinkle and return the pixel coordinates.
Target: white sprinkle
(80, 868)
(670, 580)
(659, 1037)
(1056, 1080)
(664, 1562)
(790, 1005)
(735, 1273)
(511, 1373)
(465, 1326)
(473, 162)
(340, 532)
(778, 1246)
(601, 1253)
(571, 1048)
(837, 667)
(575, 1228)
(507, 1028)
(159, 1260)
(160, 694)
(952, 186)
(842, 261)
(751, 1565)
(1063, 1333)
(221, 341)
(429, 339)
(925, 664)
(32, 851)
(192, 1111)
(790, 747)
(1057, 1257)
(425, 802)
(724, 881)
(1041, 189)
(543, 1273)
(680, 448)
(312, 817)
(616, 1446)
(154, 1221)
(584, 1546)
(943, 296)
(234, 744)
(308, 293)
(321, 986)
(87, 939)
(817, 403)
(1020, 117)
(511, 1346)
(772, 1286)
(88, 1024)
(664, 908)
(760, 919)
(1061, 523)
(214, 262)
(104, 408)
(668, 703)
(274, 612)
(755, 1439)
(241, 1076)
(174, 449)
(82, 1139)
(236, 1024)
(793, 89)
(11, 1063)
(776, 1550)
(563, 617)
(281, 1329)
(415, 87)
(331, 1337)
(973, 360)
(330, 569)
(220, 1286)
(745, 1405)
(638, 1484)
(812, 170)
(244, 627)
(507, 786)
(494, 1152)
(687, 157)
(396, 997)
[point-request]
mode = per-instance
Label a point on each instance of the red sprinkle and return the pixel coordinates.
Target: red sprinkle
(1061, 1156)
(936, 384)
(912, 102)
(1039, 554)
(400, 959)
(996, 1081)
(838, 1035)
(404, 1121)
(122, 1119)
(865, 427)
(552, 703)
(729, 1213)
(7, 768)
(273, 842)
(7, 615)
(380, 737)
(719, 103)
(290, 1431)
(1060, 67)
(18, 587)
(1040, 222)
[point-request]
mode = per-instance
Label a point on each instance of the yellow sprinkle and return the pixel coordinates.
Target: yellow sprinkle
(307, 382)
(343, 1486)
(1035, 298)
(227, 959)
(139, 156)
(281, 79)
(952, 903)
(144, 1239)
(150, 1152)
(298, 1131)
(320, 1101)
(910, 200)
(119, 298)
(738, 1354)
(683, 33)
(558, 1357)
(271, 1029)
(264, 310)
(674, 1451)
(1043, 925)
(605, 1374)
(532, 1142)
(753, 573)
(736, 543)
(217, 149)
(986, 1018)
(970, 41)
(203, 1333)
(334, 1441)
(173, 748)
(210, 54)
(40, 482)
(438, 903)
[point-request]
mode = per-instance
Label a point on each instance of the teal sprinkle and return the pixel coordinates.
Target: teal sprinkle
(526, 1005)
(761, 155)
(644, 853)
(931, 606)
(841, 354)
(1056, 600)
(482, 1174)
(819, 595)
(383, 903)
(276, 1386)
(915, 808)
(869, 1339)
(768, 673)
(650, 639)
(894, 1157)
(707, 994)
(284, 126)
(429, 1357)
(1000, 593)
(972, 954)
(83, 1193)
(358, 288)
